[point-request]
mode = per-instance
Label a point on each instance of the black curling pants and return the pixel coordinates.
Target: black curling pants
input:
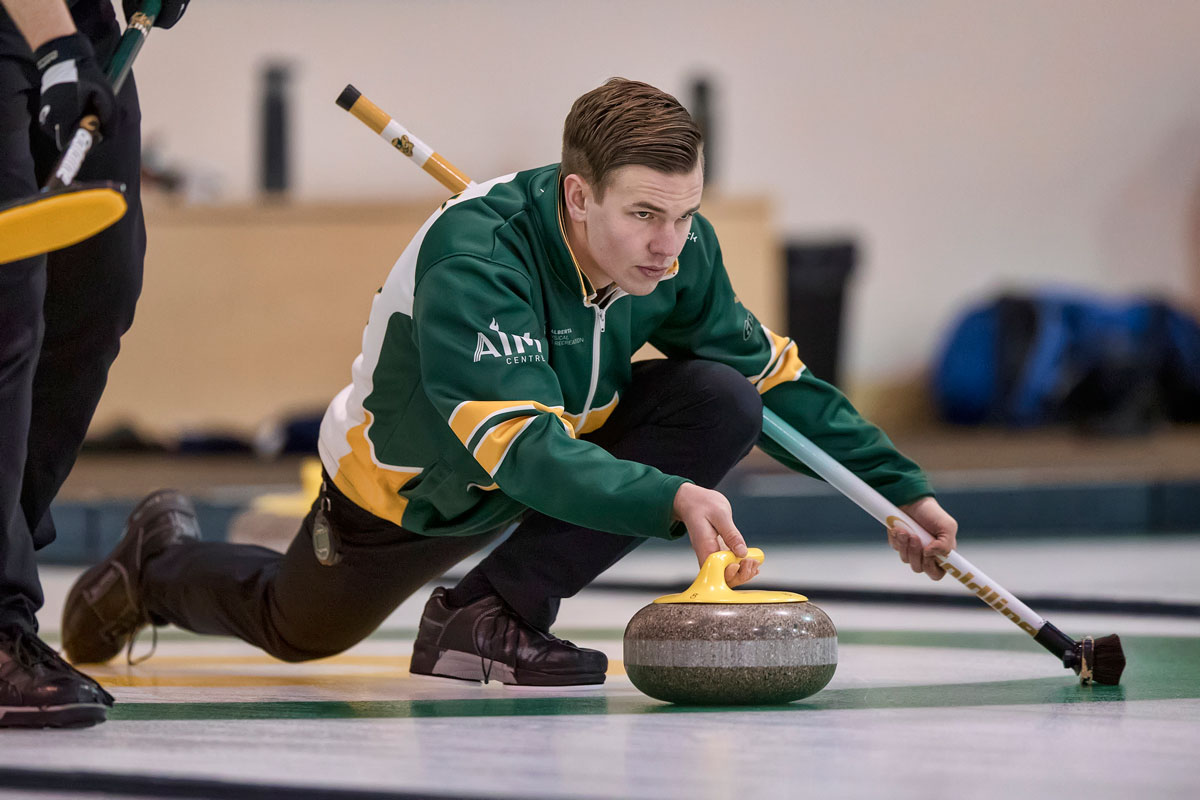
(690, 418)
(61, 321)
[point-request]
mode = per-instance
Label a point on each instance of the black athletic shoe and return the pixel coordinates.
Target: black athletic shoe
(40, 690)
(104, 609)
(485, 640)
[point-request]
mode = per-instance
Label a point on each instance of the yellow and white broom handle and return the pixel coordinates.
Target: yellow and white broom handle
(871, 501)
(403, 140)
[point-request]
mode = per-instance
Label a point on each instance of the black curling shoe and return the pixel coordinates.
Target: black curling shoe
(485, 640)
(104, 609)
(40, 690)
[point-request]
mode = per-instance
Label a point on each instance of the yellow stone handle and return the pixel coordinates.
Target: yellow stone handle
(712, 571)
(710, 585)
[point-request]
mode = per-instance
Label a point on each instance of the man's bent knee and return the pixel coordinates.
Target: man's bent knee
(296, 646)
(731, 401)
(286, 651)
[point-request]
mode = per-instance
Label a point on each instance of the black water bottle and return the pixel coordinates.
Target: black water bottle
(274, 139)
(817, 277)
(703, 113)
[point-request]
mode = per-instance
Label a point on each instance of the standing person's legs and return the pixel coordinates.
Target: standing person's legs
(37, 688)
(690, 418)
(22, 289)
(92, 289)
(291, 605)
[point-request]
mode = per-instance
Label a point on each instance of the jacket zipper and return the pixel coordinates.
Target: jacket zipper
(598, 330)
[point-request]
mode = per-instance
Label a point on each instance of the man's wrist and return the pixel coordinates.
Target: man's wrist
(918, 501)
(68, 47)
(675, 496)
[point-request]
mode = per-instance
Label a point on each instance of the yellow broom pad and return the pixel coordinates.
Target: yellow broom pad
(57, 220)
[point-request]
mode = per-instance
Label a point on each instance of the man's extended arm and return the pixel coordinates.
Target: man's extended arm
(710, 322)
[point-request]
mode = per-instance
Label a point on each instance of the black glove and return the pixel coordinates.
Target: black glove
(72, 85)
(172, 11)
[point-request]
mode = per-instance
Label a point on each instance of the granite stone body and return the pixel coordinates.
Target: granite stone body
(730, 653)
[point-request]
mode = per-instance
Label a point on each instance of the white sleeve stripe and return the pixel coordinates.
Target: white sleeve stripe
(771, 342)
(779, 362)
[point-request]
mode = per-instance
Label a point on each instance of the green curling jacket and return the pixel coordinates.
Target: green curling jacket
(487, 354)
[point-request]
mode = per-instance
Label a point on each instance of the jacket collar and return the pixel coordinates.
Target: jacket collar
(546, 196)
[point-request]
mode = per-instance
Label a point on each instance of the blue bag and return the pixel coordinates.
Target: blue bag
(1054, 357)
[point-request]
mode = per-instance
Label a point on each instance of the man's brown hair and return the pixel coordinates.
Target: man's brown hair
(623, 123)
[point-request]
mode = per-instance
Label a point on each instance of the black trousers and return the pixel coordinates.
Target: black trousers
(690, 418)
(61, 321)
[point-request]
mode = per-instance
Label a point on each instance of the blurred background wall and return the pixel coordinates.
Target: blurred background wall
(967, 146)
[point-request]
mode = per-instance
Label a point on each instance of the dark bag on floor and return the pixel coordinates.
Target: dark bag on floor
(1024, 360)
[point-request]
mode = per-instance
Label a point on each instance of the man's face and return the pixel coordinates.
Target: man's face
(634, 233)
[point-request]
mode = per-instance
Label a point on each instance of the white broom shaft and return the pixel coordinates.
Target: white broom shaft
(879, 507)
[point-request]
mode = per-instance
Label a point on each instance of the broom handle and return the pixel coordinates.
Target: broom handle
(131, 42)
(403, 139)
(879, 507)
(87, 130)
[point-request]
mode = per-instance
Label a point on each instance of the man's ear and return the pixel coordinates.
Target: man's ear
(577, 194)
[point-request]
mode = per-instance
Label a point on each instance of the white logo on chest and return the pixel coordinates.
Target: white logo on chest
(512, 348)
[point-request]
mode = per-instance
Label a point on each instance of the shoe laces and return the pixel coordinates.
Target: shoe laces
(30, 651)
(497, 620)
(131, 599)
(131, 592)
(132, 639)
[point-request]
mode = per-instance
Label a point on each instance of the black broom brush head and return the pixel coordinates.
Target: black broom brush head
(1100, 660)
(1093, 660)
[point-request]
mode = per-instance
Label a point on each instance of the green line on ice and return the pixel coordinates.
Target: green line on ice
(1154, 673)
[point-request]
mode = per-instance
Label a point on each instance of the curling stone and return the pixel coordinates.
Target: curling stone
(712, 645)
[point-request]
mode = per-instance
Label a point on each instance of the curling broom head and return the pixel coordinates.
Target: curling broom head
(1100, 660)
(58, 218)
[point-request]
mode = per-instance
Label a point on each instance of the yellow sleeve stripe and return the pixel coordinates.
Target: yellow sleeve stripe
(492, 449)
(783, 366)
(471, 416)
(787, 369)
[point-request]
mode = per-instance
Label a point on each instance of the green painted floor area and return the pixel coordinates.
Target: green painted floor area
(1159, 668)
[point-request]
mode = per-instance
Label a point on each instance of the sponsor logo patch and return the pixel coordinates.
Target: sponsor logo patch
(404, 145)
(564, 337)
(514, 348)
(748, 326)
